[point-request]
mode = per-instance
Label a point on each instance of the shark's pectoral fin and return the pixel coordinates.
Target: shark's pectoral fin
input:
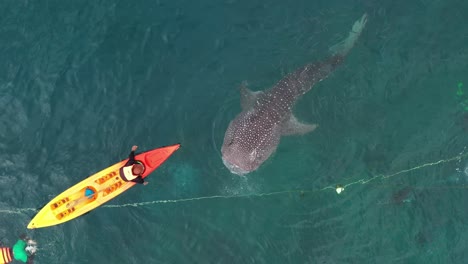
(248, 98)
(294, 127)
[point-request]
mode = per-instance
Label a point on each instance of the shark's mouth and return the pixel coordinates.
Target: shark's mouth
(234, 168)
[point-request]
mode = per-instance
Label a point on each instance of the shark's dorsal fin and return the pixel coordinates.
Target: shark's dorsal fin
(294, 127)
(248, 98)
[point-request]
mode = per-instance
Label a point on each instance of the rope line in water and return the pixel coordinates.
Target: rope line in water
(383, 176)
(17, 211)
(338, 188)
(199, 198)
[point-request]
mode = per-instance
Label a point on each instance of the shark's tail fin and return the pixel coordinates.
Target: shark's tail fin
(342, 48)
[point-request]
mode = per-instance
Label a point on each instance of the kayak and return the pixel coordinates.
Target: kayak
(96, 190)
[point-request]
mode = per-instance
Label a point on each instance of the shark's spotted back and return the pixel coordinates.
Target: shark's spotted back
(255, 133)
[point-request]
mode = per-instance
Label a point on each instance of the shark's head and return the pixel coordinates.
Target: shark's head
(248, 142)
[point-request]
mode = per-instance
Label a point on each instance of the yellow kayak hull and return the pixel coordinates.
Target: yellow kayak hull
(96, 190)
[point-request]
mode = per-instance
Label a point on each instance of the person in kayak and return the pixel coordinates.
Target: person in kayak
(23, 250)
(133, 169)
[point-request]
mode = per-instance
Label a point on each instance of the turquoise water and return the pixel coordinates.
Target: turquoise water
(83, 81)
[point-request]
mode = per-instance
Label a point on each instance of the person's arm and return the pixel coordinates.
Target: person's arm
(131, 157)
(30, 259)
(139, 180)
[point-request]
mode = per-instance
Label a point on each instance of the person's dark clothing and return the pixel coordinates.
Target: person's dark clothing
(130, 162)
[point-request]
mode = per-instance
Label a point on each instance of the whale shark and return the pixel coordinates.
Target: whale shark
(254, 134)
